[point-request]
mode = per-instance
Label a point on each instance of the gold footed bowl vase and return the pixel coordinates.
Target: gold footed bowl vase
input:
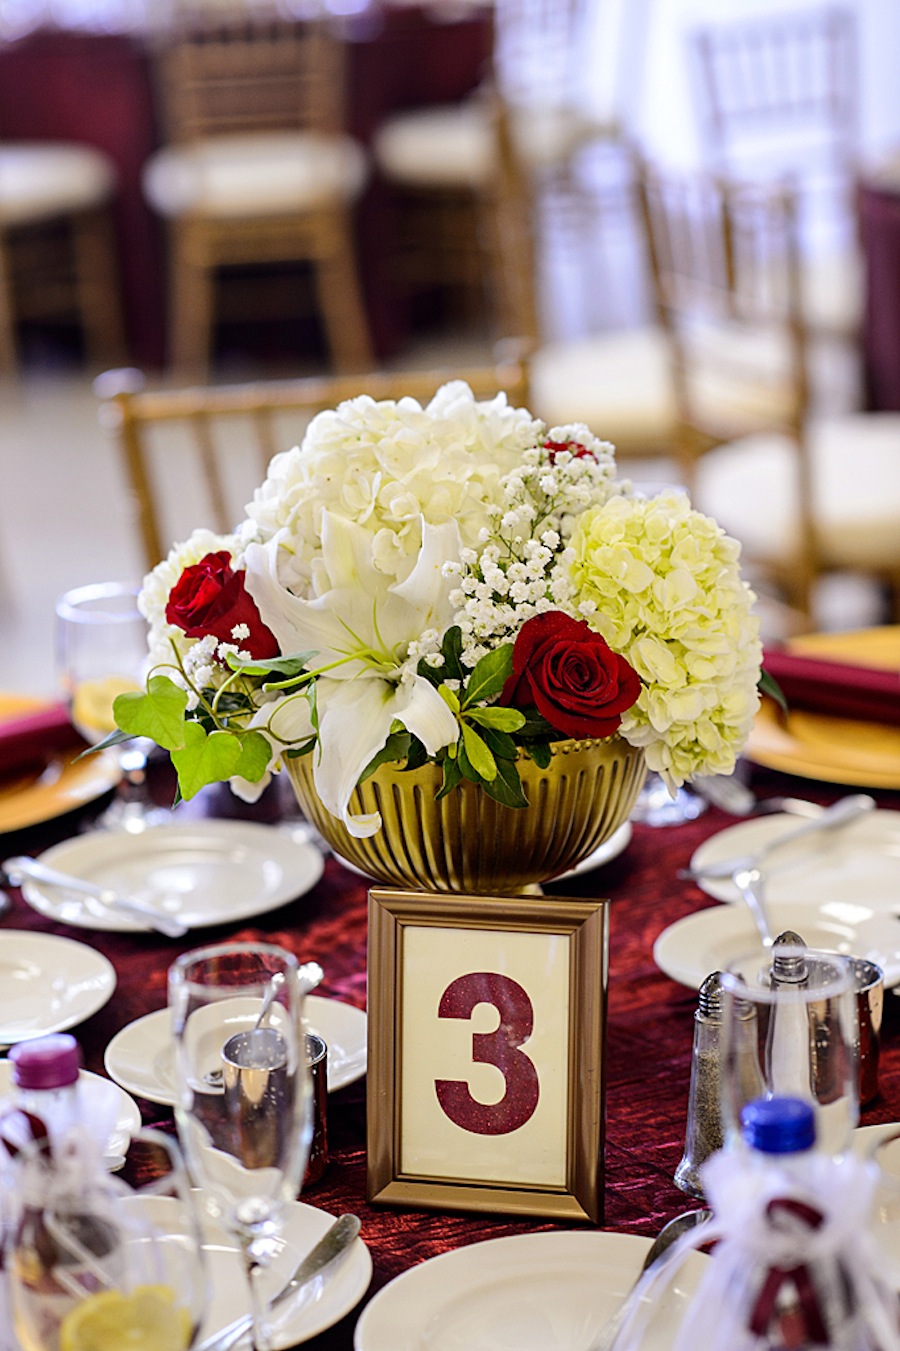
(470, 844)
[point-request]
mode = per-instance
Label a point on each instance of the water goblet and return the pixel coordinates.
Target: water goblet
(101, 652)
(790, 1028)
(244, 1096)
(93, 1262)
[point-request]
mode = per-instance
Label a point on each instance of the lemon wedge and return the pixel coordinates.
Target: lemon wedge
(145, 1319)
(92, 703)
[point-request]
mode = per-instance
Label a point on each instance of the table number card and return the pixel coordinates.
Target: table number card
(485, 1071)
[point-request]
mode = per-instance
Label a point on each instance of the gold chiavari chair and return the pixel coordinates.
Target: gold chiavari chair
(256, 170)
(217, 434)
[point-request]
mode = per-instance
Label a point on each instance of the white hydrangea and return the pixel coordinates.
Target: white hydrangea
(386, 465)
(669, 597)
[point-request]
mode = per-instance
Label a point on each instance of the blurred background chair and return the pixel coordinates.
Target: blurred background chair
(206, 448)
(57, 246)
(778, 94)
(257, 171)
(805, 494)
(441, 161)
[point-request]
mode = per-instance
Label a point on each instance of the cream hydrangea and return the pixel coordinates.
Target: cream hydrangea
(387, 466)
(668, 594)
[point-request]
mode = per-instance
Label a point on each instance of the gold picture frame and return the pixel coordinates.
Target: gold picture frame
(486, 1065)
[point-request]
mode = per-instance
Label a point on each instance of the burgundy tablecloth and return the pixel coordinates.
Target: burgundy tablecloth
(649, 1031)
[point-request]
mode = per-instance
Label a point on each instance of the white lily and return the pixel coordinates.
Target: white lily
(361, 628)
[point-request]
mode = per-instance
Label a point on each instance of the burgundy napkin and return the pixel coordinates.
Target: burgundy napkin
(835, 687)
(29, 740)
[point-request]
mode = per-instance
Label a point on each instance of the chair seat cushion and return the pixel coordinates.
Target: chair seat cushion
(452, 145)
(255, 174)
(751, 487)
(43, 179)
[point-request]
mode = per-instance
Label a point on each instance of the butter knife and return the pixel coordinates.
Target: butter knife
(333, 1245)
(24, 866)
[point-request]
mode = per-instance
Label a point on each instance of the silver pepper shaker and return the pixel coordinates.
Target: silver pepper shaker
(704, 1123)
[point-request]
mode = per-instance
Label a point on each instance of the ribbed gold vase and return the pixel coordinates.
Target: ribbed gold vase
(467, 842)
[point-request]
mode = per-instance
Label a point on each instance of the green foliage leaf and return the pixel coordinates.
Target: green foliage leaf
(205, 758)
(286, 666)
(539, 751)
(256, 752)
(114, 739)
(451, 651)
(507, 787)
(449, 697)
(503, 719)
(417, 755)
(537, 728)
(452, 776)
(477, 754)
(770, 686)
(295, 752)
(157, 713)
(395, 748)
(501, 744)
(489, 675)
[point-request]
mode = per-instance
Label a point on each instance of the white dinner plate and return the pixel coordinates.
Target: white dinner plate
(858, 861)
(48, 984)
(108, 1110)
(204, 872)
(141, 1056)
(693, 947)
(535, 1292)
(617, 843)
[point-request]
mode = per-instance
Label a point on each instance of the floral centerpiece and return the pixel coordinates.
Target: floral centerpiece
(454, 584)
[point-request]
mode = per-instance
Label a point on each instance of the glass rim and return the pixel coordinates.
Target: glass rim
(180, 967)
(736, 988)
(68, 605)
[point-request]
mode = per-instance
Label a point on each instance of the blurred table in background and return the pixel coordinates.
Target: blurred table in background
(98, 88)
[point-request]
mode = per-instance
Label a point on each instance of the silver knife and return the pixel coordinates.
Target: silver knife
(24, 866)
(334, 1244)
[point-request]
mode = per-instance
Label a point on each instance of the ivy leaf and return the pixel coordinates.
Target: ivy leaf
(477, 754)
(452, 776)
(489, 675)
(503, 719)
(770, 686)
(256, 752)
(157, 713)
(395, 748)
(539, 751)
(114, 739)
(205, 758)
(507, 787)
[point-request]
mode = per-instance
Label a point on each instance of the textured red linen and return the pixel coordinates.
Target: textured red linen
(29, 740)
(834, 687)
(649, 1037)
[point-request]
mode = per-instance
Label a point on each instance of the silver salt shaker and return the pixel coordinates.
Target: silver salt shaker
(704, 1123)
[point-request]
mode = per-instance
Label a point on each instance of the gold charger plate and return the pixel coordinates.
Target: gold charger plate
(834, 750)
(64, 784)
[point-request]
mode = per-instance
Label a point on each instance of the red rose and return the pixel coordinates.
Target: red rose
(575, 449)
(571, 675)
(210, 597)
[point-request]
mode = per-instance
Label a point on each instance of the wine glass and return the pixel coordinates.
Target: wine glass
(93, 1262)
(101, 652)
(790, 1027)
(244, 1095)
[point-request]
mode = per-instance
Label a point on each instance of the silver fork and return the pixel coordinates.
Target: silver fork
(22, 866)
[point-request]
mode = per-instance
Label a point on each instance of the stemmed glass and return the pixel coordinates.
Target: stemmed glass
(101, 652)
(93, 1261)
(790, 1028)
(244, 1093)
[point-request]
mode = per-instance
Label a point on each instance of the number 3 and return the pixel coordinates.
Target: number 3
(500, 1048)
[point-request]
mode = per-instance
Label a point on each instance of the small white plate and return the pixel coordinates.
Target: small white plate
(617, 843)
(48, 984)
(693, 947)
(205, 872)
(107, 1108)
(859, 860)
(535, 1292)
(141, 1056)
